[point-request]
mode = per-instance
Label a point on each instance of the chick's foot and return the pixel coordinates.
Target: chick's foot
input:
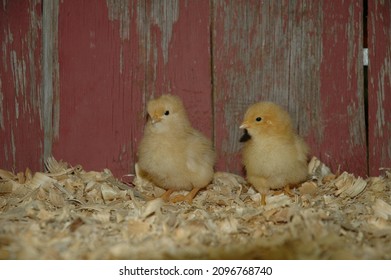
(263, 199)
(187, 198)
(287, 190)
(166, 195)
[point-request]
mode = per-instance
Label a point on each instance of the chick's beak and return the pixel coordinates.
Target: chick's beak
(155, 118)
(244, 125)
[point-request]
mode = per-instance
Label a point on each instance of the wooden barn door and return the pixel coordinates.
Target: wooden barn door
(75, 78)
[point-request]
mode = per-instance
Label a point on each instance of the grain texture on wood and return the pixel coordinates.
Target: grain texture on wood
(301, 55)
(21, 133)
(379, 85)
(50, 73)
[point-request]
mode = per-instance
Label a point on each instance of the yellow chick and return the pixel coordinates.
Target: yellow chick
(172, 154)
(274, 156)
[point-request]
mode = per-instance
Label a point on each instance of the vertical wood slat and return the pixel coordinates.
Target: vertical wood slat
(343, 145)
(50, 73)
(116, 55)
(21, 133)
(379, 85)
(304, 56)
(95, 111)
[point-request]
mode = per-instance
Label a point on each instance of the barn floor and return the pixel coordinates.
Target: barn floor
(68, 213)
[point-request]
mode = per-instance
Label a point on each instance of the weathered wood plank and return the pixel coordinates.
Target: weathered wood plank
(343, 142)
(113, 57)
(21, 133)
(50, 73)
(306, 56)
(96, 87)
(379, 85)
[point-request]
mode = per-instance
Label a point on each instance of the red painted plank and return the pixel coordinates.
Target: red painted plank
(96, 99)
(114, 56)
(343, 116)
(379, 85)
(21, 134)
(304, 56)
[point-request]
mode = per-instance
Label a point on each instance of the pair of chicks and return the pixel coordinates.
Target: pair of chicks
(175, 156)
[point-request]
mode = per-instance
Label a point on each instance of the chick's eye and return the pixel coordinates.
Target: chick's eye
(258, 119)
(167, 113)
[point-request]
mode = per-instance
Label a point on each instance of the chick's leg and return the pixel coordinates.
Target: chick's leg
(287, 190)
(261, 185)
(263, 199)
(187, 198)
(166, 195)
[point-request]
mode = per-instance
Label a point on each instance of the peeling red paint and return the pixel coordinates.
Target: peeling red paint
(341, 89)
(379, 85)
(21, 136)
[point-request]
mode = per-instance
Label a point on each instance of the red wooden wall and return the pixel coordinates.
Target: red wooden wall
(21, 127)
(75, 78)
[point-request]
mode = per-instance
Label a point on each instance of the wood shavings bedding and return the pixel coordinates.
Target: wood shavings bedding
(69, 213)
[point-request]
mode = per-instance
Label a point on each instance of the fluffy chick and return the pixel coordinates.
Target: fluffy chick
(172, 154)
(274, 156)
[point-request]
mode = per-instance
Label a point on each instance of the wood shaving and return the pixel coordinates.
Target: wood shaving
(69, 213)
